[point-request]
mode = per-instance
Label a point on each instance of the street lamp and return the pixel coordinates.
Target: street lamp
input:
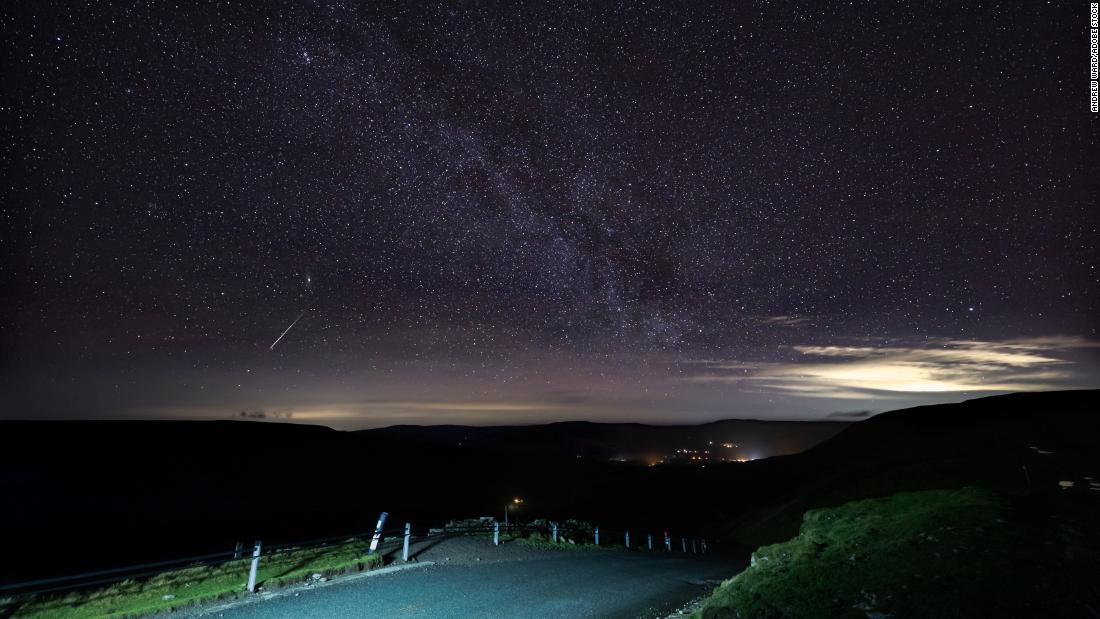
(510, 506)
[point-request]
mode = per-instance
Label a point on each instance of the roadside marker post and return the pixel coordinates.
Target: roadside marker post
(684, 544)
(596, 532)
(255, 567)
(668, 542)
(554, 532)
(704, 543)
(377, 533)
(628, 539)
(238, 550)
(408, 533)
(693, 550)
(649, 540)
(496, 534)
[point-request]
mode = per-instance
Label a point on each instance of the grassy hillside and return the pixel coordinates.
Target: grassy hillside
(186, 587)
(990, 507)
(1017, 445)
(940, 553)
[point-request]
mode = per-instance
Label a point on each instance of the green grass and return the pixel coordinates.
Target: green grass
(769, 522)
(936, 553)
(546, 544)
(536, 540)
(182, 588)
(542, 541)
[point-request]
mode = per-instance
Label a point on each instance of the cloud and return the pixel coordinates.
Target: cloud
(566, 397)
(850, 415)
(413, 411)
(938, 366)
(266, 414)
(786, 321)
(1052, 342)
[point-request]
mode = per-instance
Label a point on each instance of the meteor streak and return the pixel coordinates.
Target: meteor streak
(272, 347)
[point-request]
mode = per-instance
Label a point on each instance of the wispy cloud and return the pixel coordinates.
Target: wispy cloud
(851, 415)
(378, 411)
(786, 321)
(940, 366)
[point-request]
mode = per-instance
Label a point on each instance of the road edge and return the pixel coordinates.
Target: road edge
(263, 596)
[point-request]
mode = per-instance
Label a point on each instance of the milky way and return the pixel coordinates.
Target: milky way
(513, 212)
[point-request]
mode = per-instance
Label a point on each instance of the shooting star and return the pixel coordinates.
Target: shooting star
(272, 347)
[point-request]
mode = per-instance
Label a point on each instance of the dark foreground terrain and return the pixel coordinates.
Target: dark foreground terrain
(102, 494)
(123, 492)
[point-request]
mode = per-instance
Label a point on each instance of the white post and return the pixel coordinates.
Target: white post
(237, 551)
(255, 568)
(596, 531)
(496, 534)
(408, 533)
(668, 542)
(377, 533)
(693, 551)
(628, 539)
(649, 540)
(684, 544)
(704, 543)
(554, 532)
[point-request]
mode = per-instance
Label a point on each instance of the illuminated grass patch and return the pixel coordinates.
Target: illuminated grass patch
(189, 586)
(941, 553)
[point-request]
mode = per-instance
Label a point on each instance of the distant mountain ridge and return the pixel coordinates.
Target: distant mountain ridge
(627, 441)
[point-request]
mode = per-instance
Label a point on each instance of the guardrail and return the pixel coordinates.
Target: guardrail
(644, 540)
(551, 532)
(119, 574)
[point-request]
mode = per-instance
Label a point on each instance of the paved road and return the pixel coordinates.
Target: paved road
(542, 584)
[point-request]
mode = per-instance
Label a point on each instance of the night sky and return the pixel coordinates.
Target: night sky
(521, 212)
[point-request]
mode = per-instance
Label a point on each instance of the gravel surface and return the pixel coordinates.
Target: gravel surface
(469, 577)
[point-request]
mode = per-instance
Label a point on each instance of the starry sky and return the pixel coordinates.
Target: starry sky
(501, 212)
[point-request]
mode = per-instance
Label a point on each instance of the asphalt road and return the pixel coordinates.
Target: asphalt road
(542, 584)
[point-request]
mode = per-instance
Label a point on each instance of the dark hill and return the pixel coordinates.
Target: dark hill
(119, 492)
(1018, 444)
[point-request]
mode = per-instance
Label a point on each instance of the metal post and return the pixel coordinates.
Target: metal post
(684, 544)
(554, 532)
(377, 533)
(649, 541)
(408, 534)
(704, 544)
(238, 550)
(596, 532)
(668, 542)
(255, 567)
(496, 534)
(628, 539)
